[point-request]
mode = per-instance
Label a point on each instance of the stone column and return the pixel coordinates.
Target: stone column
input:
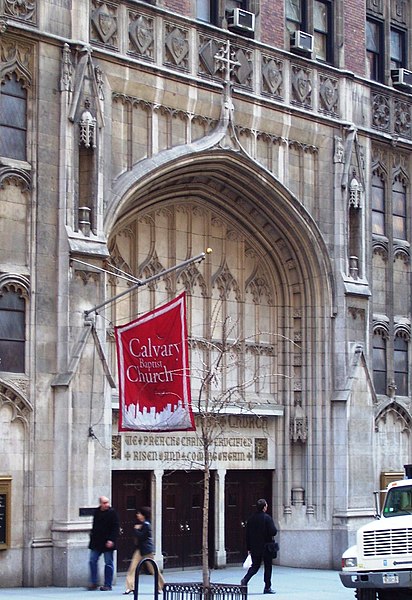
(220, 552)
(157, 482)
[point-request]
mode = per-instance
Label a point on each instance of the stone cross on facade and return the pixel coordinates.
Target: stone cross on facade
(226, 61)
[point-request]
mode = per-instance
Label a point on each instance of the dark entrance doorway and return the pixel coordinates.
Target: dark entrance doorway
(182, 514)
(130, 489)
(242, 489)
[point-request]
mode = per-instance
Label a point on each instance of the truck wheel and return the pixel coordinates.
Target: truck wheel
(365, 594)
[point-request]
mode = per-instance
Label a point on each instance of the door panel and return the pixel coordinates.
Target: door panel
(182, 516)
(242, 490)
(130, 489)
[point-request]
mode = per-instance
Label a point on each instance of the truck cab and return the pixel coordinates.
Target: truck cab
(379, 566)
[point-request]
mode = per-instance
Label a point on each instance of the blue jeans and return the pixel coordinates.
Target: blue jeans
(108, 566)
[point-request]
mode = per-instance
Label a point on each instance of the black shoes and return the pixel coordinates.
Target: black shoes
(105, 588)
(269, 591)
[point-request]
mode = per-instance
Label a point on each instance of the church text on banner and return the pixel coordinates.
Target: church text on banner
(154, 379)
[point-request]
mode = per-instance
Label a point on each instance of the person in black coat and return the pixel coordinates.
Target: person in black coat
(103, 536)
(260, 530)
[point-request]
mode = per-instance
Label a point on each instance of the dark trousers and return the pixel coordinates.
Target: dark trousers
(256, 562)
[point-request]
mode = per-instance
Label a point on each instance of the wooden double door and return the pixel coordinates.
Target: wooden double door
(182, 518)
(242, 490)
(130, 490)
(182, 512)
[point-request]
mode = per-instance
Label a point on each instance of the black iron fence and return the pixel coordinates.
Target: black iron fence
(196, 591)
(190, 591)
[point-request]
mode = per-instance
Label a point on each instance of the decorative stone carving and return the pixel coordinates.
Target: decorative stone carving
(298, 496)
(243, 71)
(87, 127)
(261, 448)
(375, 6)
(380, 248)
(301, 86)
(116, 447)
(226, 60)
(104, 23)
(402, 253)
(259, 287)
(16, 58)
(399, 11)
(98, 74)
(176, 46)
(225, 283)
(380, 112)
(141, 35)
(66, 79)
(21, 9)
(272, 76)
(355, 192)
(328, 95)
(402, 118)
(208, 49)
(191, 277)
(17, 177)
(299, 423)
(339, 154)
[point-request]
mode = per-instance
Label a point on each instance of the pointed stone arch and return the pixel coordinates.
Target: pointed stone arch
(393, 426)
(278, 266)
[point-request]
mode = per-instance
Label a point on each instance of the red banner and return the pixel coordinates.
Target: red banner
(154, 381)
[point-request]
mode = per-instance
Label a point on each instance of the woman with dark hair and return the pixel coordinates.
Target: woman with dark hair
(144, 548)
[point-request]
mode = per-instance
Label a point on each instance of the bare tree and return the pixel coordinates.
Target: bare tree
(213, 400)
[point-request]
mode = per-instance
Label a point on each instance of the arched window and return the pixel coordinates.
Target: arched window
(379, 362)
(400, 365)
(12, 331)
(378, 205)
(399, 209)
(13, 119)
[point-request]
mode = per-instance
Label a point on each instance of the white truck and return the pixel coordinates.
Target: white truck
(379, 566)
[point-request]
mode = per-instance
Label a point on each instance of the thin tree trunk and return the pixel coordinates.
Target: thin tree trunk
(205, 532)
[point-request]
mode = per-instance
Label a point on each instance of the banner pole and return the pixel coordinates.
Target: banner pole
(197, 258)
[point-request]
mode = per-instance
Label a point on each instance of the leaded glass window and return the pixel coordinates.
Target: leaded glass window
(13, 119)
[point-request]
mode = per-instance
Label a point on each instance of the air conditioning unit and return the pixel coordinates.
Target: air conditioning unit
(401, 78)
(302, 42)
(239, 19)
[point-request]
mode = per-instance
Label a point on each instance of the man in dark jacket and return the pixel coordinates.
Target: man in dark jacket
(260, 530)
(103, 538)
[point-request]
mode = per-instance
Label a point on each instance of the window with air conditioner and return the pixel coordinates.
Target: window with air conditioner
(240, 20)
(309, 24)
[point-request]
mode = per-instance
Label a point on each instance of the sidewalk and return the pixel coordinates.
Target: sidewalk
(289, 583)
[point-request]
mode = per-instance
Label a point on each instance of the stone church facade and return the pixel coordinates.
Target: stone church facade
(133, 136)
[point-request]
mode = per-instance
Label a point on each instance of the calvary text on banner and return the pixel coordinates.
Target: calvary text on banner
(154, 380)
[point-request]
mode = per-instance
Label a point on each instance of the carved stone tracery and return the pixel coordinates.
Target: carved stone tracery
(20, 9)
